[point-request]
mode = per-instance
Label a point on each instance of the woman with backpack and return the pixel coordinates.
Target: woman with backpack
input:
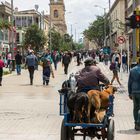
(114, 67)
(47, 68)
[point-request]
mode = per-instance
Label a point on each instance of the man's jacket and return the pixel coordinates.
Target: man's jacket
(31, 60)
(90, 76)
(134, 81)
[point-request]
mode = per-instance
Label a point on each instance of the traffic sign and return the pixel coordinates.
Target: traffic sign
(121, 39)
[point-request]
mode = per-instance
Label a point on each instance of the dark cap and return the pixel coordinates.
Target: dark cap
(90, 61)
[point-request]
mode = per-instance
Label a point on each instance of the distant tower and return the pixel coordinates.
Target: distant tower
(57, 13)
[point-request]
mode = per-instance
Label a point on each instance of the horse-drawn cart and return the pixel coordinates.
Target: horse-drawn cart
(69, 130)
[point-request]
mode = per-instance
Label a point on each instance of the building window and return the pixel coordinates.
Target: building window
(1, 35)
(17, 37)
(18, 21)
(30, 21)
(56, 13)
(6, 35)
(24, 23)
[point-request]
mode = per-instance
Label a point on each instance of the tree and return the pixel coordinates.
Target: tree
(60, 42)
(5, 24)
(35, 38)
(95, 31)
(56, 39)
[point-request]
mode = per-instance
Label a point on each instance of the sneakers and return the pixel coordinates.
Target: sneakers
(45, 82)
(137, 127)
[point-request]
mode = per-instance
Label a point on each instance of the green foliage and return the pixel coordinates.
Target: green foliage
(67, 38)
(6, 72)
(95, 31)
(78, 46)
(59, 42)
(5, 24)
(55, 40)
(35, 38)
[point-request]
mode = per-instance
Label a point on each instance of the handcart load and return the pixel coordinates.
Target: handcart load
(84, 114)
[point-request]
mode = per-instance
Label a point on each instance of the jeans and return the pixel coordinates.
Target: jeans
(31, 70)
(18, 68)
(66, 68)
(55, 65)
(136, 109)
(1, 73)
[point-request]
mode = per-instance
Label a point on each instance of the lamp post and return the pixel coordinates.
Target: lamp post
(36, 8)
(12, 43)
(109, 1)
(50, 35)
(70, 24)
(104, 22)
(75, 33)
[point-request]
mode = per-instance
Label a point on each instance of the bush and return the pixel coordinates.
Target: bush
(6, 72)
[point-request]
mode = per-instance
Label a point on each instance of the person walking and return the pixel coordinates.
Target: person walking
(65, 62)
(115, 67)
(55, 58)
(134, 93)
(47, 67)
(18, 59)
(31, 61)
(106, 58)
(78, 58)
(124, 61)
(1, 70)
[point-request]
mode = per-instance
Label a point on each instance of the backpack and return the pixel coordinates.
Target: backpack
(112, 66)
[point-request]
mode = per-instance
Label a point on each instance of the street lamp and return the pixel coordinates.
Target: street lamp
(12, 44)
(70, 24)
(36, 8)
(109, 2)
(50, 31)
(75, 33)
(104, 22)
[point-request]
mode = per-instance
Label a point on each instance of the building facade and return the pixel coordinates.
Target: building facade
(57, 15)
(116, 17)
(23, 20)
(5, 34)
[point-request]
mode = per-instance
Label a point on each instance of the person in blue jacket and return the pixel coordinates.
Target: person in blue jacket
(134, 93)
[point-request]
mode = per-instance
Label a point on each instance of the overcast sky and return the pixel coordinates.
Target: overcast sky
(79, 13)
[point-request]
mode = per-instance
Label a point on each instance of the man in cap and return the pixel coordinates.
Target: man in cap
(90, 76)
(31, 61)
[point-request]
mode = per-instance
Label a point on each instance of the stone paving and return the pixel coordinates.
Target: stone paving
(32, 112)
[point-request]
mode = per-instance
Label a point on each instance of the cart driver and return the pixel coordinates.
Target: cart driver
(90, 76)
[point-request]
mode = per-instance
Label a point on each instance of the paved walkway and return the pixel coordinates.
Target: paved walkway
(32, 112)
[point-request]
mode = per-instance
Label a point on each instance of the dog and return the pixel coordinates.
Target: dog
(94, 103)
(104, 95)
(99, 116)
(99, 99)
(77, 103)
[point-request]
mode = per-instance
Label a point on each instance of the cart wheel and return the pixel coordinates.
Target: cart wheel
(66, 132)
(111, 130)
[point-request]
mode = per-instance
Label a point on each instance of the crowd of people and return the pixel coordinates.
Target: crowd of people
(47, 59)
